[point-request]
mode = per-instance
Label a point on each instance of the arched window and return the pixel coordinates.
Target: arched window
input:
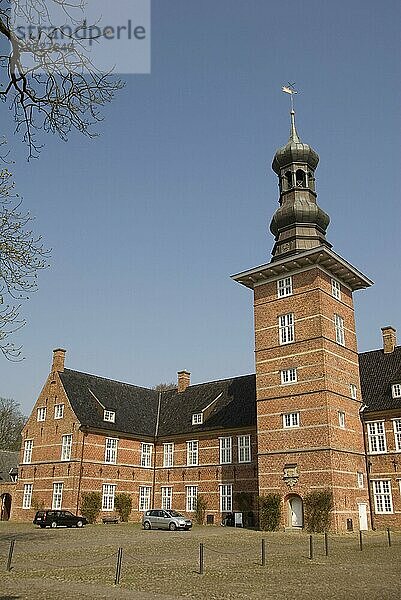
(300, 178)
(288, 177)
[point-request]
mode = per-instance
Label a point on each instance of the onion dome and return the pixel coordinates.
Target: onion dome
(303, 210)
(294, 151)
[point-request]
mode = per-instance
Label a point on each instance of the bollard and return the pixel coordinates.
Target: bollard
(10, 555)
(263, 553)
(118, 566)
(310, 547)
(326, 543)
(389, 536)
(201, 558)
(360, 540)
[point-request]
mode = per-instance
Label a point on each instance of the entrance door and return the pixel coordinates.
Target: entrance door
(5, 507)
(363, 517)
(295, 512)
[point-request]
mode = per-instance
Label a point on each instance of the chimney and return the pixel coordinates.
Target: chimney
(389, 339)
(58, 360)
(184, 380)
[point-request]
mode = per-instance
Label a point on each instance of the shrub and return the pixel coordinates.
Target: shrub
(200, 510)
(318, 506)
(123, 505)
(269, 512)
(91, 505)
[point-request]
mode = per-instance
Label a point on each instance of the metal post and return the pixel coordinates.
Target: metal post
(389, 536)
(10, 555)
(201, 558)
(360, 540)
(263, 552)
(310, 547)
(118, 566)
(326, 543)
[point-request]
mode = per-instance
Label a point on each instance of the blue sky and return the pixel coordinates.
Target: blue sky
(148, 221)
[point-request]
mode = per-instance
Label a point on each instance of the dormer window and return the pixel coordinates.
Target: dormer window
(197, 419)
(109, 415)
(396, 390)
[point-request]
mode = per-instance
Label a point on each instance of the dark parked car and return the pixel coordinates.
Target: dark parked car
(58, 518)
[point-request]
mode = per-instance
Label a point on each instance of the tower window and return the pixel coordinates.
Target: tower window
(341, 419)
(288, 177)
(300, 178)
(335, 289)
(284, 287)
(339, 327)
(353, 390)
(291, 420)
(289, 376)
(286, 328)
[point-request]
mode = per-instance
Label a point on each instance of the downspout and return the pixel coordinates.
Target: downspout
(367, 467)
(154, 449)
(84, 434)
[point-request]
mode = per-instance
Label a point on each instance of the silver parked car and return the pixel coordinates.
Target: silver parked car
(165, 519)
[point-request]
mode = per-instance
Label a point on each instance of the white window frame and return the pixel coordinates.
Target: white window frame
(58, 411)
(244, 448)
(376, 437)
(66, 446)
(286, 328)
(108, 495)
(109, 416)
(397, 434)
(226, 497)
(341, 419)
(192, 453)
(57, 497)
(284, 287)
(28, 446)
(396, 390)
(27, 496)
(360, 480)
(167, 497)
(226, 450)
(146, 455)
(110, 451)
(197, 419)
(289, 376)
(353, 391)
(168, 454)
(145, 492)
(291, 420)
(41, 414)
(339, 329)
(336, 289)
(191, 496)
(382, 496)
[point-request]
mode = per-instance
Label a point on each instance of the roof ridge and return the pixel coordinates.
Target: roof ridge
(219, 380)
(379, 350)
(141, 387)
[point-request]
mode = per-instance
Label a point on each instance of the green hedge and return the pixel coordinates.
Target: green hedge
(270, 512)
(317, 508)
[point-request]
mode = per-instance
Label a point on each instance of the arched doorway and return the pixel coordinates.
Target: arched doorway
(5, 506)
(295, 512)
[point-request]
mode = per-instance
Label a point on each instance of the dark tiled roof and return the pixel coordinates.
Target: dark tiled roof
(8, 462)
(378, 372)
(136, 408)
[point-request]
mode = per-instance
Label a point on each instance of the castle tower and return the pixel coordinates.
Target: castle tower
(310, 435)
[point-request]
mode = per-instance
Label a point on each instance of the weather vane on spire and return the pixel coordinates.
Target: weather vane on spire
(289, 89)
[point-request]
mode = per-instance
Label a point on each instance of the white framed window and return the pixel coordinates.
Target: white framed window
(66, 445)
(146, 455)
(192, 453)
(288, 376)
(197, 419)
(396, 390)
(41, 416)
(28, 445)
(191, 497)
(226, 497)
(244, 448)
(58, 411)
(284, 287)
(109, 415)
(339, 328)
(109, 490)
(336, 289)
(291, 420)
(377, 437)
(57, 499)
(286, 328)
(167, 498)
(27, 495)
(110, 451)
(382, 496)
(168, 454)
(226, 453)
(353, 391)
(341, 419)
(144, 497)
(360, 479)
(397, 434)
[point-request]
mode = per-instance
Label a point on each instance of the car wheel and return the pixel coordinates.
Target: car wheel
(172, 526)
(146, 525)
(79, 524)
(54, 524)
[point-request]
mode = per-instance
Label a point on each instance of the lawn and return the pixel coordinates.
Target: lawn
(81, 563)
